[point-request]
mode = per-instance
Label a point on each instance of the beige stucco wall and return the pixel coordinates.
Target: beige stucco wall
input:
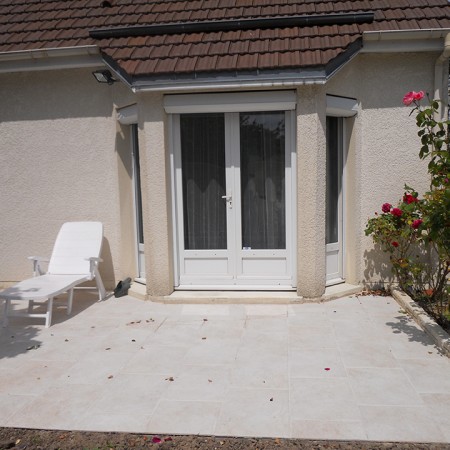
(58, 162)
(156, 194)
(311, 170)
(383, 150)
(63, 156)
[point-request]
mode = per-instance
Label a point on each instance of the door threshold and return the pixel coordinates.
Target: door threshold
(254, 297)
(233, 296)
(234, 288)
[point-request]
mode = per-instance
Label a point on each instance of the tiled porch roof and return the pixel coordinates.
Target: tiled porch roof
(37, 24)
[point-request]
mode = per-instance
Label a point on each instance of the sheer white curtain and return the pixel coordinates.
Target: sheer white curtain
(333, 180)
(203, 168)
(262, 149)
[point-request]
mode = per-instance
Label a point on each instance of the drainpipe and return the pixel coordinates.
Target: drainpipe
(441, 78)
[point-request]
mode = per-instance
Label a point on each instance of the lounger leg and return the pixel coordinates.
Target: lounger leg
(30, 306)
(100, 286)
(48, 316)
(5, 312)
(69, 302)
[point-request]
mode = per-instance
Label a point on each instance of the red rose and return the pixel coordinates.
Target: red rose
(394, 244)
(386, 207)
(397, 212)
(416, 224)
(409, 198)
(418, 95)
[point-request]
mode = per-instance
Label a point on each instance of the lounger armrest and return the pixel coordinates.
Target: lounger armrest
(93, 265)
(37, 270)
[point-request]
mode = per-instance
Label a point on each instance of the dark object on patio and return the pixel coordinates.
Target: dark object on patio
(122, 288)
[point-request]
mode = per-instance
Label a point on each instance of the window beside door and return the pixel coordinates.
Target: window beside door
(333, 226)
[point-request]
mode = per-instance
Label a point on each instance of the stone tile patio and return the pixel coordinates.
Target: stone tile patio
(352, 368)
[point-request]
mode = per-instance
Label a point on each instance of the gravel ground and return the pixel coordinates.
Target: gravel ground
(21, 439)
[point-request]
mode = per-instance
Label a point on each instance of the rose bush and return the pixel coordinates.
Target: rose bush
(416, 233)
(398, 230)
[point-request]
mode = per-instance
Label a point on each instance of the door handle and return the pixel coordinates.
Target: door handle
(228, 199)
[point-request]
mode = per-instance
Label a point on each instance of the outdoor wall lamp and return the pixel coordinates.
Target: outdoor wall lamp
(104, 76)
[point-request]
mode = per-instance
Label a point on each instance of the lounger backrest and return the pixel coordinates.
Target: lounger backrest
(76, 241)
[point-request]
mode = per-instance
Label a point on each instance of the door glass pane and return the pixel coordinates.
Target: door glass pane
(203, 169)
(263, 180)
(333, 180)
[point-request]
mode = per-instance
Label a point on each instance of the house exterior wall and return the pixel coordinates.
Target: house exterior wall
(63, 157)
(58, 162)
(156, 195)
(311, 165)
(383, 148)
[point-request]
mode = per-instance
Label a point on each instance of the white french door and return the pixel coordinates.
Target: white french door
(234, 197)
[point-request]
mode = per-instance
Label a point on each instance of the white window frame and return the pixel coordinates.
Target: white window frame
(341, 107)
(128, 115)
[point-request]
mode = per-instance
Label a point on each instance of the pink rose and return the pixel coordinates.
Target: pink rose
(408, 98)
(386, 207)
(412, 96)
(416, 223)
(397, 212)
(394, 244)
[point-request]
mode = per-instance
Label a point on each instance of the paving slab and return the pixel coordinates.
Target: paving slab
(354, 368)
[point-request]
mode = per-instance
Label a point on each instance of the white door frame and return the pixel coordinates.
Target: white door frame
(233, 104)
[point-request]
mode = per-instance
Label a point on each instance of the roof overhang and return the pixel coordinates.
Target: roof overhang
(429, 40)
(50, 59)
(229, 80)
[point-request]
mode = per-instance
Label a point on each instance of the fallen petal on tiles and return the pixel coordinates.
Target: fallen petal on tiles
(327, 368)
(156, 440)
(168, 438)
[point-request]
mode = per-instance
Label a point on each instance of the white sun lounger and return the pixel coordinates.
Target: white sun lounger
(74, 260)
